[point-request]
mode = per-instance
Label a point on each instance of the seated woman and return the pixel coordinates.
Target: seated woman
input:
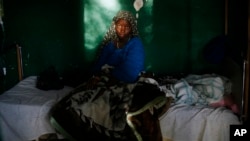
(122, 52)
(97, 107)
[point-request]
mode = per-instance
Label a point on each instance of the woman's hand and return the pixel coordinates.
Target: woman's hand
(107, 68)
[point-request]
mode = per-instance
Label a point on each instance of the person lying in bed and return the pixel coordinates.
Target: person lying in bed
(122, 52)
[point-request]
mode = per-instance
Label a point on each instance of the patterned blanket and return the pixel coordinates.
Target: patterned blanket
(104, 106)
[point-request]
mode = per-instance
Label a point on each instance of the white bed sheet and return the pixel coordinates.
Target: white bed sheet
(196, 123)
(24, 110)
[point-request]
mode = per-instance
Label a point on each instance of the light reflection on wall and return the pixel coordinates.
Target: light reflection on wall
(97, 18)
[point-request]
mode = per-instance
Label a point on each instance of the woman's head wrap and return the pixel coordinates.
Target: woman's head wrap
(111, 34)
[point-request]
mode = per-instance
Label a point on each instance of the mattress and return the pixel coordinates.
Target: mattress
(24, 110)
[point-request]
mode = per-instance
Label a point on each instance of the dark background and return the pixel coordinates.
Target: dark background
(175, 33)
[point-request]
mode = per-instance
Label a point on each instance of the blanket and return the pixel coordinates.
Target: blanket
(104, 106)
(199, 89)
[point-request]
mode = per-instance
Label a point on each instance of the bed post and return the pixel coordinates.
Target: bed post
(246, 75)
(244, 105)
(244, 113)
(19, 62)
(247, 69)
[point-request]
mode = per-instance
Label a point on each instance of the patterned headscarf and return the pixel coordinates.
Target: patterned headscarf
(111, 34)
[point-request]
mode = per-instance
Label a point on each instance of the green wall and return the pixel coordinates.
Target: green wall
(49, 32)
(173, 32)
(181, 29)
(66, 33)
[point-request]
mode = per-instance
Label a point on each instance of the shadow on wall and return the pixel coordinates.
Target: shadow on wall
(219, 51)
(219, 48)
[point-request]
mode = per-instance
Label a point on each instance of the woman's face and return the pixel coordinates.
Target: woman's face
(123, 29)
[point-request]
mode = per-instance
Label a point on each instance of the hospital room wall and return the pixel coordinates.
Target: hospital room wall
(49, 32)
(55, 33)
